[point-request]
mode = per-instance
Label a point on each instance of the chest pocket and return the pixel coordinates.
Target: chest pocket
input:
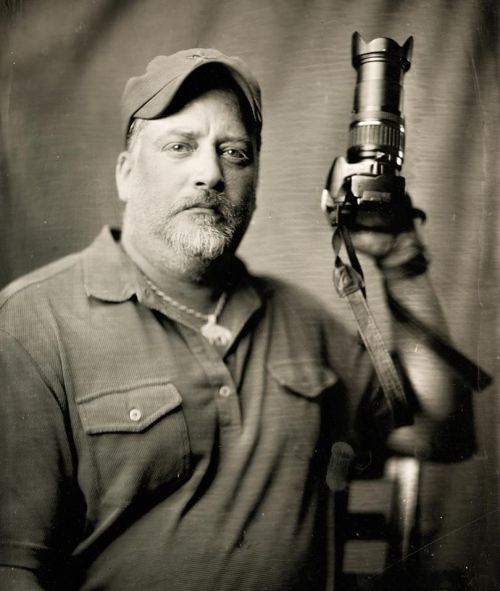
(304, 386)
(137, 439)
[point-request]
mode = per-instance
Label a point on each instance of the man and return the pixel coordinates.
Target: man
(167, 418)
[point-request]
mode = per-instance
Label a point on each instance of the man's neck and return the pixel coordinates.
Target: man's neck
(194, 283)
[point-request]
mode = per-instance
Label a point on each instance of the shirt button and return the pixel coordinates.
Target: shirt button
(135, 414)
(225, 391)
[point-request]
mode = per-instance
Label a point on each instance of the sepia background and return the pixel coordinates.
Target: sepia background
(63, 67)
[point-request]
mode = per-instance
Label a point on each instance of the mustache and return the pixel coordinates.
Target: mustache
(207, 199)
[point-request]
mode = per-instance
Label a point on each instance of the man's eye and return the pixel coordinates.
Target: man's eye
(236, 155)
(177, 148)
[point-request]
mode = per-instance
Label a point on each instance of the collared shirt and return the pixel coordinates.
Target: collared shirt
(137, 455)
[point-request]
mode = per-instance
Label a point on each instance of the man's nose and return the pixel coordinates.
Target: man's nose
(208, 173)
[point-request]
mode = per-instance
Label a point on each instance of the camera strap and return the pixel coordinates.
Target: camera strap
(350, 284)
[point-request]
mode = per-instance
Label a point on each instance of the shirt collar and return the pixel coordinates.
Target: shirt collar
(109, 274)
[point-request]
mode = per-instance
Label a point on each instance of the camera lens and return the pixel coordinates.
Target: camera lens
(377, 124)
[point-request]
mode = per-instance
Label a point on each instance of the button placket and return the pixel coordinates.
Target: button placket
(219, 377)
(228, 405)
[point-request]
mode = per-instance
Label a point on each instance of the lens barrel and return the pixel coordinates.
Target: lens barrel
(377, 124)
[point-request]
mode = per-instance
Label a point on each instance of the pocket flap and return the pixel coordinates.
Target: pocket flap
(129, 410)
(305, 377)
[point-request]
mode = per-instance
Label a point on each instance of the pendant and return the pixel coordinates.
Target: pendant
(215, 333)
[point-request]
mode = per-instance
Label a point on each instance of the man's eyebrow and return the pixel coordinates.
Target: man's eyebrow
(236, 138)
(178, 131)
(191, 135)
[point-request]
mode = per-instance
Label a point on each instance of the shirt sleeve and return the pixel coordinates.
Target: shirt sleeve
(38, 513)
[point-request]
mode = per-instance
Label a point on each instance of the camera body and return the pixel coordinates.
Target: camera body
(365, 190)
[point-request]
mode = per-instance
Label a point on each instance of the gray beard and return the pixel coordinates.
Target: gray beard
(204, 240)
(191, 248)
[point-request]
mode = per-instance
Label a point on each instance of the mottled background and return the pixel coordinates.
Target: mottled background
(63, 67)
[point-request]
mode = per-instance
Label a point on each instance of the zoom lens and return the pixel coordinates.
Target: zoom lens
(377, 127)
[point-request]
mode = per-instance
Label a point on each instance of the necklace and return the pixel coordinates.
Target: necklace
(213, 332)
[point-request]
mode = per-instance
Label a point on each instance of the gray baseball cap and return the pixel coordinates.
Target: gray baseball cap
(149, 95)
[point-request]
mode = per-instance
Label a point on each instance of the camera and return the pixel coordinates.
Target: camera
(365, 190)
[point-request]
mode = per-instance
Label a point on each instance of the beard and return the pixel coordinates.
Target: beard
(187, 235)
(206, 235)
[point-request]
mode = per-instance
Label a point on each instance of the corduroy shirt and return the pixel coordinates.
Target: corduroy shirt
(134, 454)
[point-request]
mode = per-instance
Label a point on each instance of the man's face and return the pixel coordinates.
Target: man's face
(189, 180)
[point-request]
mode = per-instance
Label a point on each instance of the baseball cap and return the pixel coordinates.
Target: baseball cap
(149, 95)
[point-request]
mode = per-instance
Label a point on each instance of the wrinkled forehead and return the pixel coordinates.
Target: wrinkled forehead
(215, 113)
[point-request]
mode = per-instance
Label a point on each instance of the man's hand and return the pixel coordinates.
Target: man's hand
(400, 255)
(379, 244)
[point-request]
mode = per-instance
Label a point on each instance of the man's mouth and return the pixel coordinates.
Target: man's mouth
(211, 206)
(203, 206)
(201, 210)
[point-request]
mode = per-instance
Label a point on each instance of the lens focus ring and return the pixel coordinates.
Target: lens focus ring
(376, 134)
(378, 140)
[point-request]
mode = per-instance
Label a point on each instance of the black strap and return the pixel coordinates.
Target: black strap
(349, 283)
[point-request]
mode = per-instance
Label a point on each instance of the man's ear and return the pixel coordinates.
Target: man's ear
(122, 172)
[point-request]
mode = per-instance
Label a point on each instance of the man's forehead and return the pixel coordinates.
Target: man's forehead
(215, 106)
